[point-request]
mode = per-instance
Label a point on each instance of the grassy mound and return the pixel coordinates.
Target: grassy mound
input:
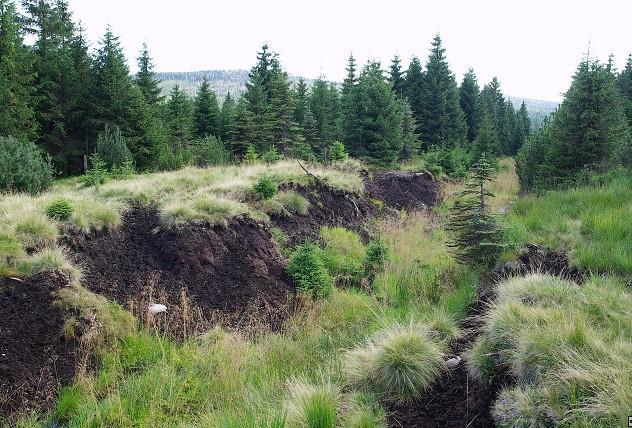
(592, 223)
(568, 347)
(212, 196)
(399, 362)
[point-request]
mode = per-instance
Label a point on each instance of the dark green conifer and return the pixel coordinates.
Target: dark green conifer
(476, 235)
(206, 113)
(396, 76)
(469, 94)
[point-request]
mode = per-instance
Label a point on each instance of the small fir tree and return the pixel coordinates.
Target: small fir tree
(251, 155)
(477, 236)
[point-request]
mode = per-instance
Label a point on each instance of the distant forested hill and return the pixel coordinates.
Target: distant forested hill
(538, 109)
(223, 81)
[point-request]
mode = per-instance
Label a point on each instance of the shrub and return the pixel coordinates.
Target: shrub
(23, 167)
(112, 148)
(97, 174)
(294, 202)
(337, 152)
(308, 271)
(376, 254)
(303, 151)
(251, 155)
(59, 209)
(271, 156)
(399, 363)
(311, 406)
(210, 151)
(125, 170)
(265, 187)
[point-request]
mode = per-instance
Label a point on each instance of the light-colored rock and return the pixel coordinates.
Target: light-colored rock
(157, 308)
(453, 363)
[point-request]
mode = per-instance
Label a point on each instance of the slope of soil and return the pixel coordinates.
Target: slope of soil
(35, 356)
(197, 268)
(402, 190)
(330, 207)
(327, 207)
(535, 258)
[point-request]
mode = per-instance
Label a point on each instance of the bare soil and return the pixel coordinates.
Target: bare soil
(36, 359)
(385, 191)
(198, 268)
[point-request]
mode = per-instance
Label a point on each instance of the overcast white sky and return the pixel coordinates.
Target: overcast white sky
(532, 46)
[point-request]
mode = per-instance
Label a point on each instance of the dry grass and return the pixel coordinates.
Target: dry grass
(211, 195)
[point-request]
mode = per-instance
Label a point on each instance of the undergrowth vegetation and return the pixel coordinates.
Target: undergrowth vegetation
(296, 377)
(592, 223)
(569, 348)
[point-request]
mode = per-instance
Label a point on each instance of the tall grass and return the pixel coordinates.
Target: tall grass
(592, 223)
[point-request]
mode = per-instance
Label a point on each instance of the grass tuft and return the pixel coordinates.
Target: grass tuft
(311, 406)
(572, 346)
(294, 202)
(49, 260)
(400, 362)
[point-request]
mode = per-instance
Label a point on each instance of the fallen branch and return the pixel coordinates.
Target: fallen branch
(318, 180)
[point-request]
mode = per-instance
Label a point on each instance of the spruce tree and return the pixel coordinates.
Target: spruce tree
(301, 100)
(476, 235)
(469, 93)
(311, 135)
(348, 111)
(180, 120)
(17, 117)
(324, 105)
(244, 129)
(410, 138)
(227, 117)
(112, 149)
(146, 78)
(625, 86)
(486, 141)
(442, 123)
(589, 125)
(413, 88)
(588, 131)
(396, 76)
(112, 85)
(379, 118)
(206, 113)
(521, 131)
(280, 101)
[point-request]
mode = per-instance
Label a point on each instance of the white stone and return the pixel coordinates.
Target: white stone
(157, 308)
(453, 363)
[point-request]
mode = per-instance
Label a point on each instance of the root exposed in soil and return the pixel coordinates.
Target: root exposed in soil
(36, 359)
(217, 268)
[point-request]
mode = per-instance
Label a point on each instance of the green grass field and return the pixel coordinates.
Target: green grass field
(592, 223)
